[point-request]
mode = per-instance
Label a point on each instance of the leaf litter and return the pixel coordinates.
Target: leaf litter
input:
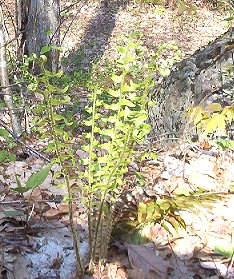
(36, 243)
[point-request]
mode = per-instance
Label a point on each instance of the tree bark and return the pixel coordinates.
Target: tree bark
(21, 18)
(39, 22)
(7, 93)
(194, 80)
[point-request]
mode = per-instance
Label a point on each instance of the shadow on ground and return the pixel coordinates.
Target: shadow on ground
(96, 36)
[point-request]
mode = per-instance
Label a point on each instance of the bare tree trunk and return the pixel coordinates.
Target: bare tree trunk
(4, 79)
(21, 18)
(43, 29)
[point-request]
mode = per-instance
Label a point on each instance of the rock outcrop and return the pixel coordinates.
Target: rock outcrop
(198, 79)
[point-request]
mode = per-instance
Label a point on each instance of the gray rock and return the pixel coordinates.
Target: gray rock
(194, 80)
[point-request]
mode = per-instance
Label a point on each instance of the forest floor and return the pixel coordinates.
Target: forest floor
(35, 239)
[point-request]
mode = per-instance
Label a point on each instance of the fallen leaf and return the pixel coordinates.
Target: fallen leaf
(20, 267)
(135, 274)
(55, 213)
(222, 268)
(146, 260)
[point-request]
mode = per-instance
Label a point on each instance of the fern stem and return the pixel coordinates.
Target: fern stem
(80, 268)
(90, 176)
(121, 159)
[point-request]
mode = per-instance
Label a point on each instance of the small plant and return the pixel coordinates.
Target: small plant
(115, 124)
(50, 125)
(7, 144)
(163, 210)
(212, 119)
(34, 180)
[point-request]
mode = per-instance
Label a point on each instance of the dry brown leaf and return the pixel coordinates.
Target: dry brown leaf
(135, 274)
(205, 145)
(57, 262)
(20, 267)
(55, 213)
(146, 260)
(112, 270)
(121, 273)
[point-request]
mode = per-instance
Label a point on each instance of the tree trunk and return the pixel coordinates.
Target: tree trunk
(39, 20)
(4, 79)
(21, 18)
(197, 79)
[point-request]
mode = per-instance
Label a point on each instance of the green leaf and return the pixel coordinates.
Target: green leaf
(111, 119)
(123, 50)
(64, 90)
(18, 182)
(164, 72)
(58, 74)
(112, 106)
(117, 79)
(56, 101)
(57, 174)
(103, 160)
(32, 87)
(68, 123)
(140, 178)
(229, 18)
(107, 132)
(88, 122)
(11, 157)
(4, 133)
(57, 48)
(128, 103)
(106, 146)
(57, 117)
(20, 189)
(45, 49)
(129, 88)
(141, 119)
(128, 59)
(3, 155)
(45, 136)
(151, 103)
(52, 88)
(183, 189)
(164, 205)
(114, 93)
(125, 113)
(226, 251)
(226, 144)
(13, 213)
(38, 178)
(2, 104)
(48, 31)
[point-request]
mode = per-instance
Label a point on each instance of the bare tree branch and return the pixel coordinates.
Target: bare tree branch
(27, 147)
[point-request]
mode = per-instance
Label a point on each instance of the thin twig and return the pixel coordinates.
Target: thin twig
(11, 85)
(70, 24)
(26, 202)
(13, 39)
(16, 139)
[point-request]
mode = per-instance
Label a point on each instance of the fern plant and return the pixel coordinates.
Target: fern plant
(211, 119)
(50, 125)
(116, 123)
